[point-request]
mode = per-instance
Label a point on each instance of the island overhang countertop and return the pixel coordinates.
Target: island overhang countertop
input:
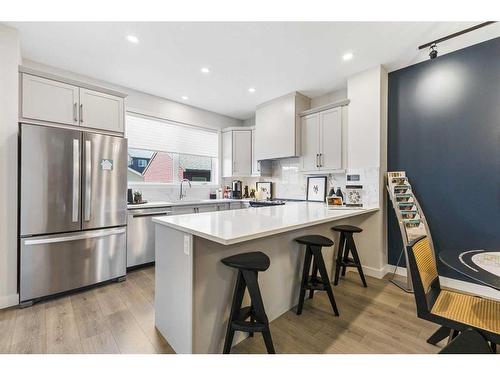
(231, 227)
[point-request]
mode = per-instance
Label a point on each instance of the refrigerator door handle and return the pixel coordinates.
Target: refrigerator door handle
(77, 237)
(76, 179)
(88, 179)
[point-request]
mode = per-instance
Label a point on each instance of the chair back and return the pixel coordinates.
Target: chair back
(424, 274)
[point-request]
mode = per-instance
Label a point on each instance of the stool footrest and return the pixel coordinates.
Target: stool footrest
(240, 325)
(245, 313)
(310, 286)
(348, 263)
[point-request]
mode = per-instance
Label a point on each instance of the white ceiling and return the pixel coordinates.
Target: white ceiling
(275, 58)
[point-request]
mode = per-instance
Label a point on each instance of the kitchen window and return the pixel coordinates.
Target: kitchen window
(165, 152)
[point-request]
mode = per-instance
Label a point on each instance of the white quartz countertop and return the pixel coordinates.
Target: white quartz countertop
(230, 227)
(157, 204)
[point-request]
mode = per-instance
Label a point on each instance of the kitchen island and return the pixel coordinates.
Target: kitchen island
(193, 289)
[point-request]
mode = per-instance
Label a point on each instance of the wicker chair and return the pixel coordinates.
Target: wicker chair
(454, 311)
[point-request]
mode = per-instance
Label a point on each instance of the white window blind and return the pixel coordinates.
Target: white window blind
(159, 135)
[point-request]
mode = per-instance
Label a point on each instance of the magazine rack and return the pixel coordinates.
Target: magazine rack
(411, 219)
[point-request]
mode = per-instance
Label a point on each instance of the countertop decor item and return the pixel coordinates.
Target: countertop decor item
(137, 197)
(316, 188)
(265, 190)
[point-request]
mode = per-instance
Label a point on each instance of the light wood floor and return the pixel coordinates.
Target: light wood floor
(119, 318)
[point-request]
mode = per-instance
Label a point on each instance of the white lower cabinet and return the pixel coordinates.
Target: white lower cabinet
(206, 208)
(183, 210)
(194, 209)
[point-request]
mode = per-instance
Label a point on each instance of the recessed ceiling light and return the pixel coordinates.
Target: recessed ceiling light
(251, 89)
(348, 56)
(184, 97)
(205, 70)
(133, 39)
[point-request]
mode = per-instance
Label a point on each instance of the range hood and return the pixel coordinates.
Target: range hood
(277, 127)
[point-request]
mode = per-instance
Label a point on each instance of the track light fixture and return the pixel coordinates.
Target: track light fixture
(433, 51)
(433, 45)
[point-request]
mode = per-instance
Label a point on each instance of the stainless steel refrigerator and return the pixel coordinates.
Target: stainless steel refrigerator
(72, 200)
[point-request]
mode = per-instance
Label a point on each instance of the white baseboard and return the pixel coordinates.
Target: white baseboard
(464, 286)
(378, 273)
(8, 301)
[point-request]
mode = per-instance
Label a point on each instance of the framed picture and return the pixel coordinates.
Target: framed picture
(316, 188)
(266, 189)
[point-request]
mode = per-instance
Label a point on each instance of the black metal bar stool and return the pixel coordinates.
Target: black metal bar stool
(314, 244)
(248, 266)
(346, 245)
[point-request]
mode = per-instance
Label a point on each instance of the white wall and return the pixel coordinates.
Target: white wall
(367, 148)
(10, 58)
(330, 97)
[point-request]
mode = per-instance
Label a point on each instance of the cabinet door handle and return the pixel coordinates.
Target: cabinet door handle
(320, 160)
(81, 112)
(74, 112)
(317, 160)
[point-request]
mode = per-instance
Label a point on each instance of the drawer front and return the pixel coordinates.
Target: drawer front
(58, 263)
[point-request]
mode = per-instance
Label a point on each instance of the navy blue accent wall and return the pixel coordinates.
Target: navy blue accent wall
(444, 131)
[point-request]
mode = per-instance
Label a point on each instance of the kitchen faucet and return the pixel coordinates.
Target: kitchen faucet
(183, 195)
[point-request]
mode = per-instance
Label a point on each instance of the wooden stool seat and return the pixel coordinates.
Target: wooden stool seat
(314, 244)
(253, 261)
(248, 266)
(346, 246)
(315, 240)
(347, 229)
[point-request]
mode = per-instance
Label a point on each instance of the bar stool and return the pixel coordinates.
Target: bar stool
(346, 245)
(314, 244)
(248, 266)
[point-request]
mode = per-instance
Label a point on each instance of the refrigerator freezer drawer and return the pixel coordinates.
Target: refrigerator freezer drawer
(62, 262)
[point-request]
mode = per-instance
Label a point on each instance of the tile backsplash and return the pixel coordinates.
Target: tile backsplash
(290, 183)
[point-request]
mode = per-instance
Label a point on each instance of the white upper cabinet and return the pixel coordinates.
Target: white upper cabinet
(277, 126)
(310, 137)
(331, 139)
(47, 100)
(236, 153)
(101, 111)
(321, 134)
(255, 162)
(227, 154)
(67, 102)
